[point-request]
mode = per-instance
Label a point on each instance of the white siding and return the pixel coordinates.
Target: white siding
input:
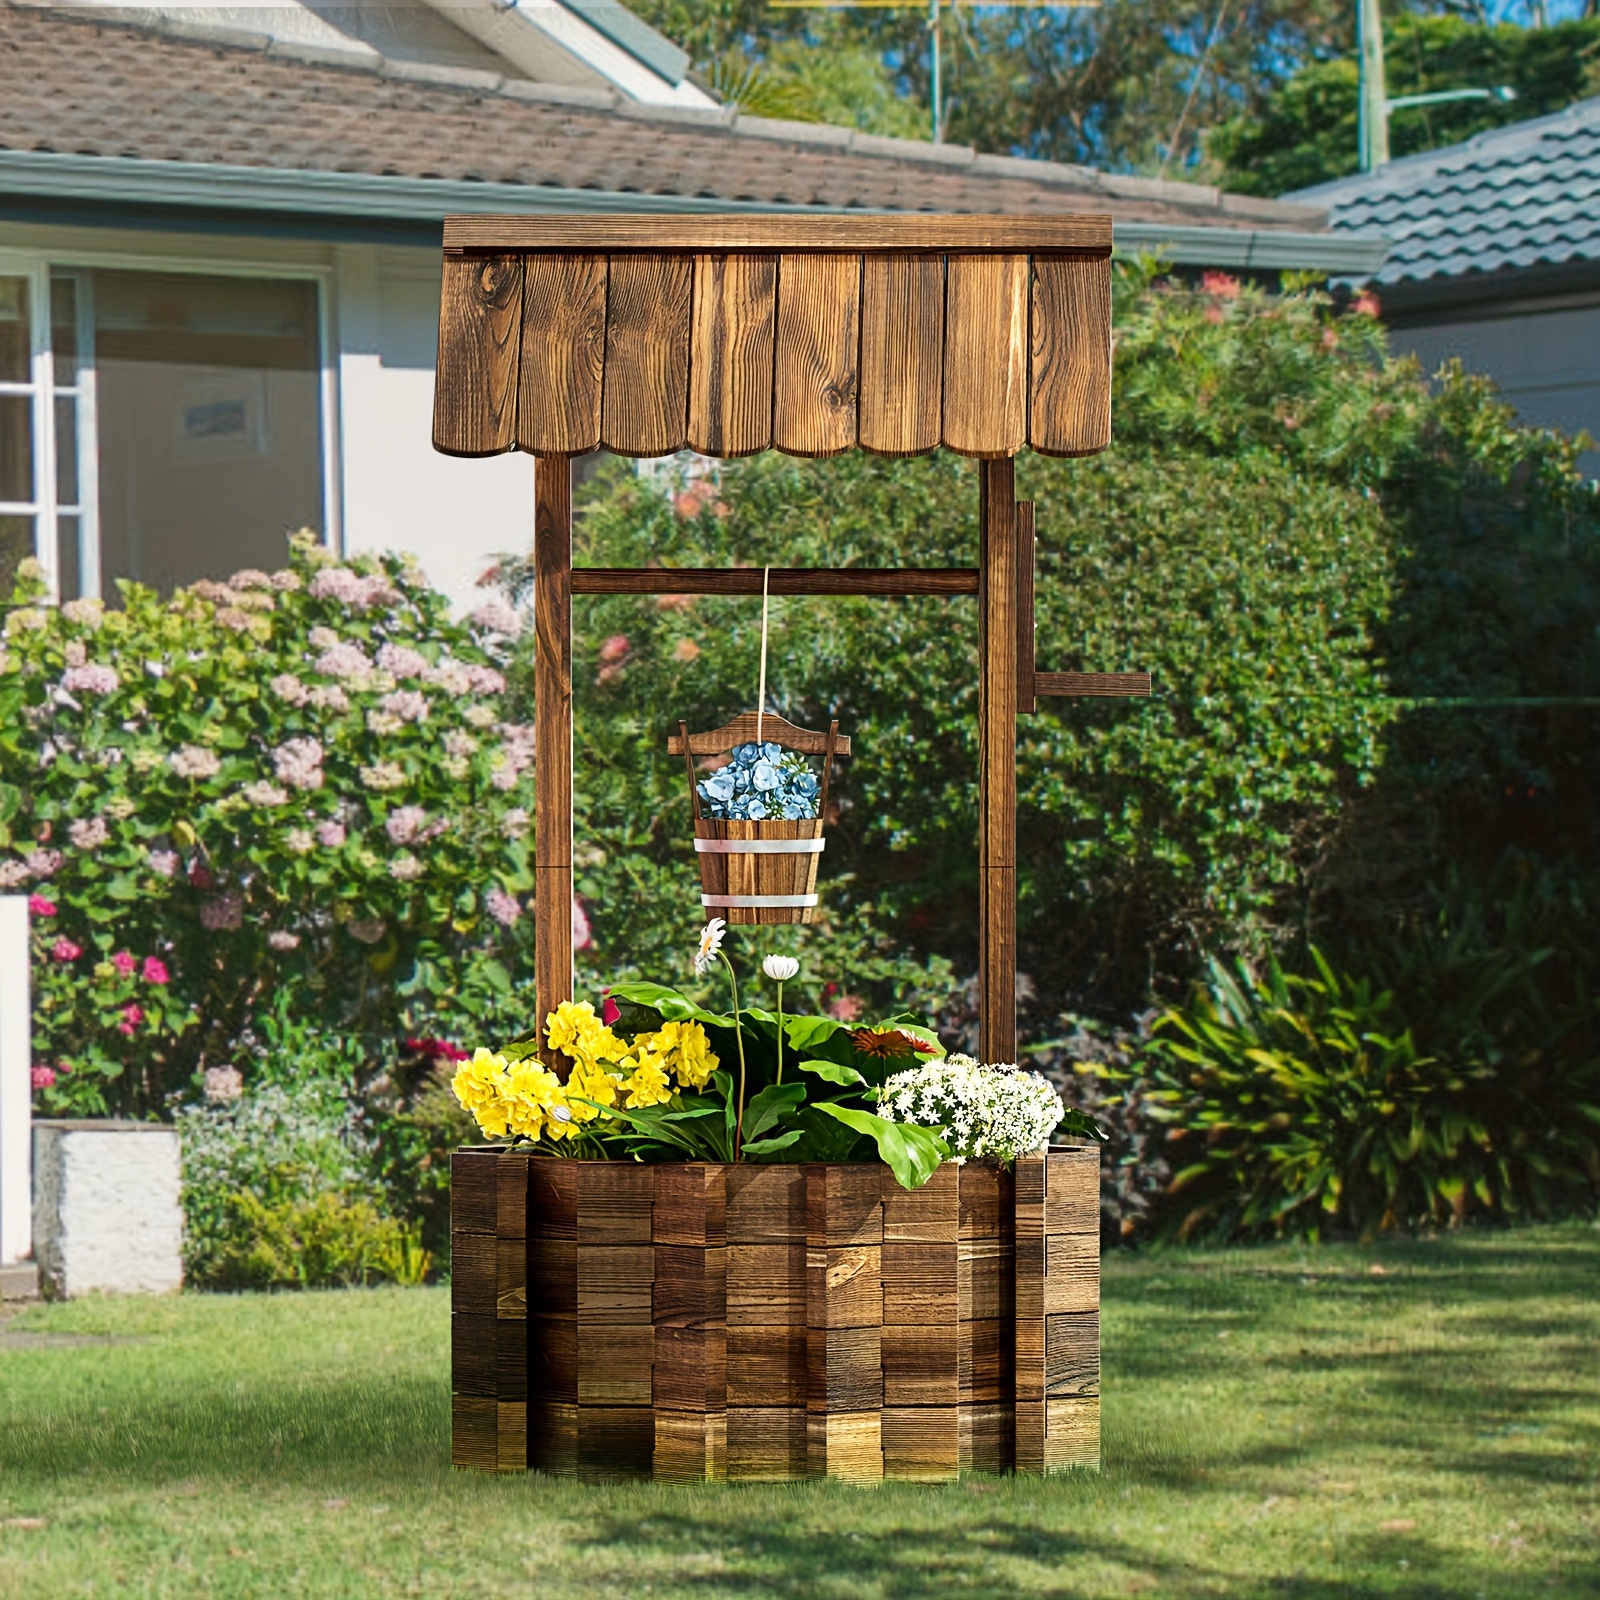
(399, 493)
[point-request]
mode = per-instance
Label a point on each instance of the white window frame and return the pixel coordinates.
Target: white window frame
(38, 266)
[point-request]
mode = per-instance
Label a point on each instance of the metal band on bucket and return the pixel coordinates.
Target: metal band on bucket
(756, 902)
(760, 847)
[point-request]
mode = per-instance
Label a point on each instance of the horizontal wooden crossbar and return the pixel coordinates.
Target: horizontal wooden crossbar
(1092, 683)
(940, 234)
(781, 580)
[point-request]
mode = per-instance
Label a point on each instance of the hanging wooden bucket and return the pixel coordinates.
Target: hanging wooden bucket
(753, 872)
(758, 872)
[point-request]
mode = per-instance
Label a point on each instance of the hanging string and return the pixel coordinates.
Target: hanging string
(761, 693)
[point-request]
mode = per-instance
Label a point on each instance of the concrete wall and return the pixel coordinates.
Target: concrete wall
(107, 1212)
(1547, 363)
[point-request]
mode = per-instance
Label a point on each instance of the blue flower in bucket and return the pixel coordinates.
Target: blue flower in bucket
(760, 781)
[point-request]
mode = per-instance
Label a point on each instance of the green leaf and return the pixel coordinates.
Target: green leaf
(772, 1105)
(913, 1154)
(832, 1072)
(767, 1147)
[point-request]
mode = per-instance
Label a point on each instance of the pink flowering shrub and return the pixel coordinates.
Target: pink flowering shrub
(298, 784)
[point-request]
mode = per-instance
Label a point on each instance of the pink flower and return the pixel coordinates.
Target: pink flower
(42, 1077)
(410, 705)
(615, 648)
(582, 934)
(90, 679)
(1365, 304)
(13, 874)
(402, 661)
(125, 964)
(495, 616)
(44, 863)
(222, 912)
(330, 835)
(610, 1011)
(847, 1008)
(88, 833)
(132, 1017)
(200, 874)
(351, 588)
(66, 950)
(223, 1084)
(40, 907)
(405, 825)
(164, 863)
(298, 763)
(485, 680)
(1221, 285)
(281, 939)
(155, 971)
(503, 907)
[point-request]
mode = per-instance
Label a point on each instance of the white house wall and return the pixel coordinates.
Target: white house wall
(1547, 363)
(399, 493)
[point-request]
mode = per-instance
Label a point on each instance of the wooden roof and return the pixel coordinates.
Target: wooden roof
(807, 334)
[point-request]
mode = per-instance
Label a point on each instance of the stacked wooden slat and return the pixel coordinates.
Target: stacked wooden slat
(811, 336)
(708, 1322)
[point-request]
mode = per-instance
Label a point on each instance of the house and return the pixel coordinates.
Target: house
(1495, 259)
(220, 254)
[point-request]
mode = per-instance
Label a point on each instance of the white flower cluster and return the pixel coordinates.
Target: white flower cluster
(1000, 1111)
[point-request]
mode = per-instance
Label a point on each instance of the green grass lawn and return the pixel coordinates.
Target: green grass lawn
(1416, 1420)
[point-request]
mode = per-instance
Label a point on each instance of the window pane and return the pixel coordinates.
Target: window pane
(16, 541)
(67, 557)
(15, 331)
(64, 330)
(67, 452)
(16, 447)
(210, 423)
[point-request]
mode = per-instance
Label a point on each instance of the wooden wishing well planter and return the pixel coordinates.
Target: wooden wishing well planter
(701, 1321)
(779, 1321)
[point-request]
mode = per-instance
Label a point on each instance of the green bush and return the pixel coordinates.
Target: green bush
(1306, 1105)
(327, 1241)
(298, 783)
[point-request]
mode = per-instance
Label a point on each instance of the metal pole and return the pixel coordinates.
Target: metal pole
(1374, 108)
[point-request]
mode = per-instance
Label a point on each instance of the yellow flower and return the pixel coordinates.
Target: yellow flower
(648, 1085)
(574, 1030)
(685, 1048)
(531, 1092)
(479, 1085)
(589, 1083)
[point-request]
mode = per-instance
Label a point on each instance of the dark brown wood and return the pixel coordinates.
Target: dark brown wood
(783, 874)
(815, 382)
(782, 580)
(902, 353)
(552, 688)
(998, 627)
(563, 354)
(1025, 608)
(1070, 410)
(701, 1321)
(986, 355)
(711, 232)
(730, 363)
(743, 729)
(475, 391)
(1108, 684)
(644, 408)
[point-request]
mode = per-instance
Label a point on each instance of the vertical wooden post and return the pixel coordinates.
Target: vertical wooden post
(552, 683)
(998, 633)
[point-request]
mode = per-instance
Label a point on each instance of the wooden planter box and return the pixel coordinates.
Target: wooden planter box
(701, 1321)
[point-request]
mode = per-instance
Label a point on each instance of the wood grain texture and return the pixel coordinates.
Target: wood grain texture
(815, 380)
(511, 1453)
(1027, 687)
(922, 1365)
(929, 1215)
(844, 1204)
(902, 353)
(1070, 382)
(987, 1441)
(768, 1365)
(616, 1201)
(998, 625)
(986, 355)
(847, 1445)
(845, 1368)
(872, 581)
(616, 1284)
(644, 409)
(984, 1354)
(473, 1258)
(474, 1433)
(743, 728)
(844, 1286)
(766, 1443)
(511, 1278)
(691, 1447)
(511, 1195)
(907, 231)
(730, 362)
(474, 1177)
(1072, 1272)
(921, 1284)
(1072, 1200)
(766, 1205)
(563, 354)
(1113, 684)
(742, 874)
(552, 689)
(766, 1285)
(1072, 1434)
(1072, 1354)
(475, 389)
(921, 1443)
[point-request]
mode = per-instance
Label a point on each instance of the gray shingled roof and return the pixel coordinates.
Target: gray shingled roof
(1525, 196)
